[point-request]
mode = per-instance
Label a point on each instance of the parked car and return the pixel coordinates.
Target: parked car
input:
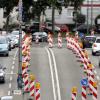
(2, 74)
(96, 46)
(4, 46)
(42, 36)
(89, 40)
(6, 98)
(16, 33)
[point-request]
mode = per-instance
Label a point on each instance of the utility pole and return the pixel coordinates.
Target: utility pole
(53, 17)
(20, 44)
(91, 12)
(87, 17)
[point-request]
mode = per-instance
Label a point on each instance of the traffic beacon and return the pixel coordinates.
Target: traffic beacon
(74, 93)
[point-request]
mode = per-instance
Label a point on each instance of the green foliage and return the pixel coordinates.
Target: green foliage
(38, 7)
(80, 18)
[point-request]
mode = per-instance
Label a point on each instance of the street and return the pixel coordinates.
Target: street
(56, 69)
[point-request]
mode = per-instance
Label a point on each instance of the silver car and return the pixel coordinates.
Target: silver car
(4, 46)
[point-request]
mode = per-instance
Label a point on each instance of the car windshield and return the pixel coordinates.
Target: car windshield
(98, 41)
(3, 40)
(91, 38)
(15, 32)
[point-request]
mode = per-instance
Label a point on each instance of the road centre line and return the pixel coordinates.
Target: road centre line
(56, 73)
(52, 75)
(9, 92)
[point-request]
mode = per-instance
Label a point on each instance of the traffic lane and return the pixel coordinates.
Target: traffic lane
(6, 62)
(40, 67)
(69, 72)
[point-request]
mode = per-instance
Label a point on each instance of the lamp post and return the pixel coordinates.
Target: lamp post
(91, 12)
(87, 16)
(20, 46)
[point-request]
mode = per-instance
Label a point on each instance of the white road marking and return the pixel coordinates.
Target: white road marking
(56, 73)
(10, 78)
(13, 67)
(9, 85)
(9, 92)
(52, 75)
(11, 72)
(13, 62)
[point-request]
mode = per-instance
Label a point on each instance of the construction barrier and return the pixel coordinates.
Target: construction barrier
(88, 68)
(84, 93)
(59, 42)
(50, 42)
(37, 91)
(74, 93)
(95, 91)
(32, 85)
(26, 82)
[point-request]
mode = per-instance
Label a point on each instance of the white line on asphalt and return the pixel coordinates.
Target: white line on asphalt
(10, 78)
(9, 92)
(13, 62)
(13, 67)
(12, 72)
(56, 73)
(52, 75)
(9, 85)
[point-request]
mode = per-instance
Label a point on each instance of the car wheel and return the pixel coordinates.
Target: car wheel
(93, 53)
(7, 54)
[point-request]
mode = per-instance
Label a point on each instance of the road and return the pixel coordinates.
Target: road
(56, 69)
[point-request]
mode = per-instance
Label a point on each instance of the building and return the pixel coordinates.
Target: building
(2, 19)
(91, 8)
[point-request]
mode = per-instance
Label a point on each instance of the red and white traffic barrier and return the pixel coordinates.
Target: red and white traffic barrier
(74, 93)
(95, 92)
(32, 88)
(59, 42)
(26, 82)
(37, 39)
(37, 91)
(24, 71)
(50, 42)
(90, 78)
(84, 93)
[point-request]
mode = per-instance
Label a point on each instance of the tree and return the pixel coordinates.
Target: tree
(80, 18)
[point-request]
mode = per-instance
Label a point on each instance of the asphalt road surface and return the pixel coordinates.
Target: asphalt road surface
(56, 69)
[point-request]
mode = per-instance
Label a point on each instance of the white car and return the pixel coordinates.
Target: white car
(16, 33)
(6, 98)
(96, 46)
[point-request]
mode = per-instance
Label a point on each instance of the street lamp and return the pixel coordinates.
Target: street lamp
(20, 46)
(87, 17)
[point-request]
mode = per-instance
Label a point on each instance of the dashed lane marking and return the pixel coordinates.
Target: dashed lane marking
(13, 67)
(11, 78)
(9, 85)
(9, 92)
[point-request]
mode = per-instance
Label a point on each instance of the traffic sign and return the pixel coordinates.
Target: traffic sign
(84, 82)
(17, 92)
